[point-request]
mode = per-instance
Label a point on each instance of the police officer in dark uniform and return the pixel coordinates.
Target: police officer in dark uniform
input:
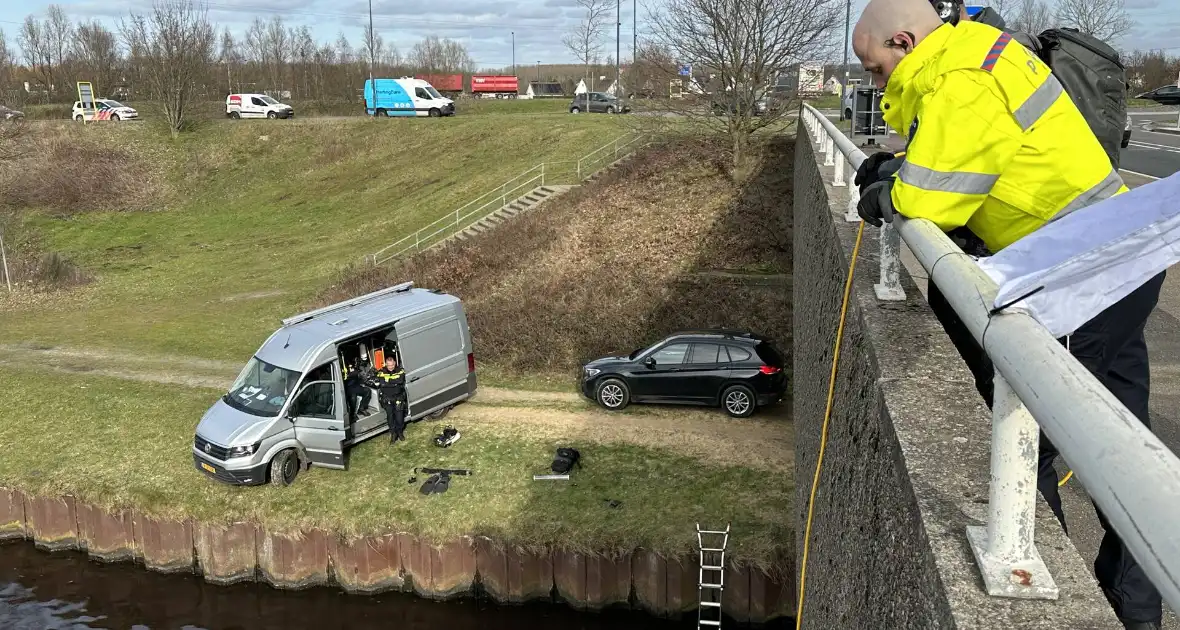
(391, 392)
(355, 386)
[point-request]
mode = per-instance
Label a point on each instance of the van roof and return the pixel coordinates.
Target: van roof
(303, 338)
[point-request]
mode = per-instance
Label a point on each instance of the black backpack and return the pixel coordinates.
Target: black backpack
(565, 460)
(1094, 77)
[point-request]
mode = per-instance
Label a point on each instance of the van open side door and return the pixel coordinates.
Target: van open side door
(318, 414)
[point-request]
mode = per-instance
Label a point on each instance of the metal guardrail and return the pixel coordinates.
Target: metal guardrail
(1128, 472)
(546, 173)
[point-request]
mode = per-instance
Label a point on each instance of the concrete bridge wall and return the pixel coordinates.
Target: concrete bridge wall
(906, 466)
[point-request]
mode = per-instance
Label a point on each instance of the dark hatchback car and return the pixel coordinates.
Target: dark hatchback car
(1166, 95)
(737, 371)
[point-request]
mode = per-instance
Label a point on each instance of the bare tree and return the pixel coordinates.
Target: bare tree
(177, 43)
(278, 52)
(585, 39)
(96, 53)
(743, 46)
(435, 54)
(999, 5)
(1104, 19)
(38, 57)
(58, 34)
(7, 67)
(230, 57)
(1033, 16)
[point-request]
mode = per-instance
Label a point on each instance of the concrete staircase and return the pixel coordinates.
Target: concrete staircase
(524, 203)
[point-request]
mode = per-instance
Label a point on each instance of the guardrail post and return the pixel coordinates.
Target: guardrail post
(1004, 549)
(889, 288)
(850, 213)
(503, 194)
(819, 130)
(838, 176)
(829, 149)
(542, 173)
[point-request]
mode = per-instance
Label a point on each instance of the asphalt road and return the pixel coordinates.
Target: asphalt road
(1151, 152)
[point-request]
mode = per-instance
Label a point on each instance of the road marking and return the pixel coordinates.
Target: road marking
(1158, 133)
(1152, 177)
(1154, 147)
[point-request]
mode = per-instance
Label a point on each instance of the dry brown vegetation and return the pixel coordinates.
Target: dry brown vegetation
(615, 265)
(63, 170)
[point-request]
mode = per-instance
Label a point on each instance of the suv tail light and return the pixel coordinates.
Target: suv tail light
(470, 361)
(769, 369)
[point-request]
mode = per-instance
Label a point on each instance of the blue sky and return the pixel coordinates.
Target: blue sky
(484, 25)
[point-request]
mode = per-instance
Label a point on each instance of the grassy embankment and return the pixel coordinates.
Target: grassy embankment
(241, 231)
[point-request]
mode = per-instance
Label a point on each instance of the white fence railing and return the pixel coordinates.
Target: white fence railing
(1128, 472)
(544, 174)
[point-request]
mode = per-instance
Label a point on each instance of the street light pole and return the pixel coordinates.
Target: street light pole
(513, 53)
(847, 25)
(372, 55)
(618, 51)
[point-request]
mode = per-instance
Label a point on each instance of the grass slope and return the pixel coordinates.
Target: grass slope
(262, 215)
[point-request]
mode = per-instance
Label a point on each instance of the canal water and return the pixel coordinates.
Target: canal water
(66, 591)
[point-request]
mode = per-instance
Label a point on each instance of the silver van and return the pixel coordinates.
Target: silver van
(287, 409)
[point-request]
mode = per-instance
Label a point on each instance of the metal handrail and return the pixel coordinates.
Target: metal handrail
(454, 221)
(1128, 472)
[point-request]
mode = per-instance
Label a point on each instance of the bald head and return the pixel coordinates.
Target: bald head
(888, 30)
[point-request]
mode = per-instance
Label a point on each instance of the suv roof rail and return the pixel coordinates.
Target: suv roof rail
(302, 317)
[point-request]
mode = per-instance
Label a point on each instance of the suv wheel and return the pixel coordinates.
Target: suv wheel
(284, 468)
(575, 110)
(847, 113)
(738, 401)
(610, 109)
(612, 394)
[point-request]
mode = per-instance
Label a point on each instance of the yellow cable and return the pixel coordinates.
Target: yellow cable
(1065, 479)
(823, 438)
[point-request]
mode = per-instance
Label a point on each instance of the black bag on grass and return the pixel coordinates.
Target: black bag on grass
(565, 460)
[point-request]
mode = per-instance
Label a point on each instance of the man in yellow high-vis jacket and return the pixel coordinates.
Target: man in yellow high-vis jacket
(996, 150)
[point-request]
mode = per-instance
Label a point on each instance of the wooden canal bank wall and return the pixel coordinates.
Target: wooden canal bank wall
(240, 552)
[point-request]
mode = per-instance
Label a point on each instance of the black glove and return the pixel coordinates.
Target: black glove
(876, 203)
(877, 167)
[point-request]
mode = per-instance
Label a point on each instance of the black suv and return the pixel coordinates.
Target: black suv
(737, 371)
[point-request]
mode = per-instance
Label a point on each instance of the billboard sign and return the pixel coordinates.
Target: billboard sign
(86, 98)
(811, 78)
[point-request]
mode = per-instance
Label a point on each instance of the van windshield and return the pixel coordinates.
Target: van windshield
(433, 92)
(261, 389)
(269, 101)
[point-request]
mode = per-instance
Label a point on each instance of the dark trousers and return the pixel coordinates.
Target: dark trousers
(357, 390)
(395, 417)
(1113, 348)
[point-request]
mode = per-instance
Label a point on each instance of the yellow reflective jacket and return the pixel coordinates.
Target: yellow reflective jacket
(995, 142)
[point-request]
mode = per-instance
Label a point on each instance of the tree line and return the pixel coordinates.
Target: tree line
(50, 53)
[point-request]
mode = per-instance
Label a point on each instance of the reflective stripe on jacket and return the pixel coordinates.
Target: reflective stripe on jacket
(999, 146)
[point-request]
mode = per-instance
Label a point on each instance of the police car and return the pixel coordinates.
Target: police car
(104, 109)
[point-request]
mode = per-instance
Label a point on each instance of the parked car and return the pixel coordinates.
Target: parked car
(598, 102)
(287, 408)
(406, 97)
(7, 113)
(1127, 132)
(1166, 95)
(735, 370)
(256, 106)
(104, 109)
(762, 105)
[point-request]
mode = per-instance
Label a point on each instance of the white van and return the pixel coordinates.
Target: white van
(256, 106)
(287, 409)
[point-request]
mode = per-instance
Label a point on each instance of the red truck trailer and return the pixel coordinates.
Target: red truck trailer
(494, 85)
(443, 82)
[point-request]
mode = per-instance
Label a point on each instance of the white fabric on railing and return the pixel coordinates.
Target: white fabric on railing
(1091, 258)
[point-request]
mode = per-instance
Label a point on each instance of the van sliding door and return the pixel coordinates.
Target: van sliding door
(432, 350)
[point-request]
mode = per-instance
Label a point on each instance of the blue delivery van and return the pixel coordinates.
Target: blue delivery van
(406, 97)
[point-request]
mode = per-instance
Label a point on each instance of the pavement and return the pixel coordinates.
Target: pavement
(1150, 156)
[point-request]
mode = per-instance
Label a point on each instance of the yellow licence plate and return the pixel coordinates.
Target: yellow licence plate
(208, 467)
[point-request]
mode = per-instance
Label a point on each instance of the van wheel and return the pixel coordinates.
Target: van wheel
(271, 115)
(612, 394)
(847, 114)
(284, 467)
(435, 112)
(439, 415)
(575, 110)
(738, 401)
(235, 115)
(380, 112)
(78, 118)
